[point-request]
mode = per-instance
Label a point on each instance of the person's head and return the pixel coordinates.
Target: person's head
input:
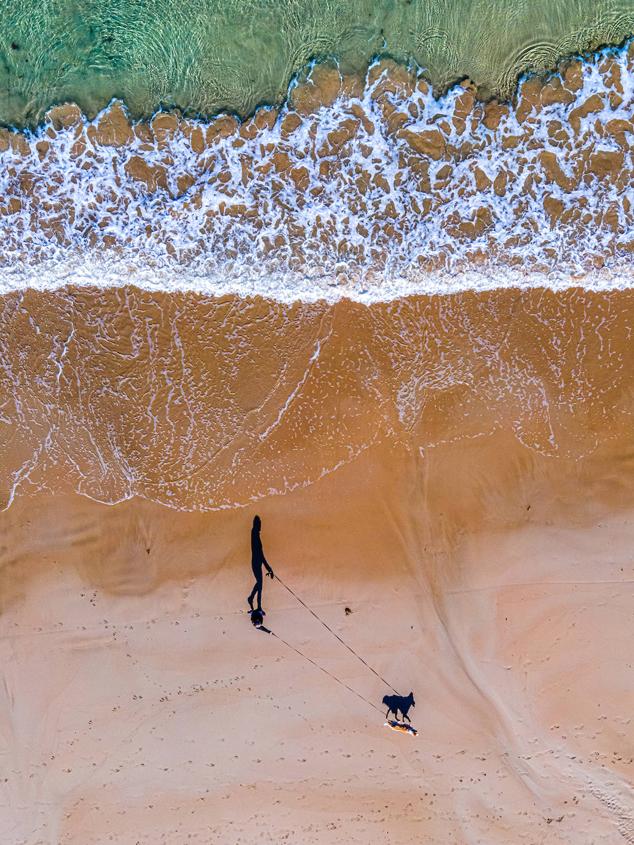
(257, 523)
(256, 618)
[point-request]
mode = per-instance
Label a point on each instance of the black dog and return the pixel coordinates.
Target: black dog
(394, 703)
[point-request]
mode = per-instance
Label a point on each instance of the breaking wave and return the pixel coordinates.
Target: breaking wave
(369, 189)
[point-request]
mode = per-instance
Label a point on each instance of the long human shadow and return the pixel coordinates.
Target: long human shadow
(257, 562)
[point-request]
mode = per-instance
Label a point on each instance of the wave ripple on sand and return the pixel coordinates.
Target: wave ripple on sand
(204, 403)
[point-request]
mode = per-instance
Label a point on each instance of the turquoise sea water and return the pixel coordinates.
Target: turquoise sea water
(208, 55)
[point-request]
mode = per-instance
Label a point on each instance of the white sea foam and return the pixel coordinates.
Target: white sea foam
(306, 215)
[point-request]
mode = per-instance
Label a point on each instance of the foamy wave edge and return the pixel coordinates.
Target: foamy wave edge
(311, 289)
(167, 209)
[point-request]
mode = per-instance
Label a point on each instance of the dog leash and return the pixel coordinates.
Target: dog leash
(336, 636)
(325, 671)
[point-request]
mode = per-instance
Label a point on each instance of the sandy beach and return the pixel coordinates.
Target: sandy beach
(364, 271)
(141, 706)
(469, 509)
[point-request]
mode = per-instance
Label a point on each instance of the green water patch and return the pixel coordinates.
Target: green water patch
(205, 56)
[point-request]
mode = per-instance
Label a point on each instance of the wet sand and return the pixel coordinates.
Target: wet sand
(455, 470)
(203, 403)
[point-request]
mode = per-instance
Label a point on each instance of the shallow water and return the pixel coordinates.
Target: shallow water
(206, 56)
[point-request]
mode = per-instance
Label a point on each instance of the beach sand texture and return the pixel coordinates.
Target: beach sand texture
(457, 471)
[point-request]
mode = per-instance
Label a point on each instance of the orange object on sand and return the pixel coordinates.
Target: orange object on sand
(401, 727)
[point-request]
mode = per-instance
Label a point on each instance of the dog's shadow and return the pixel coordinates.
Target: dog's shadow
(402, 703)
